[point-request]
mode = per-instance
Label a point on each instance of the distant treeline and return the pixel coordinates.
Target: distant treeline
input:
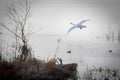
(109, 36)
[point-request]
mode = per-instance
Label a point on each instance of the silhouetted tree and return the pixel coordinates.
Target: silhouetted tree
(119, 36)
(17, 18)
(113, 37)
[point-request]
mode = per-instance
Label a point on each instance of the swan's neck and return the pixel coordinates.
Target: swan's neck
(72, 23)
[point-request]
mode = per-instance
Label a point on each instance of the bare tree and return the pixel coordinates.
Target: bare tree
(17, 17)
(119, 36)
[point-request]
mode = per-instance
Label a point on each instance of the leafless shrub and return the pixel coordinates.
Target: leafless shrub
(17, 21)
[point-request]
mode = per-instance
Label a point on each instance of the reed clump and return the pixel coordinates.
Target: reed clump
(35, 69)
(101, 74)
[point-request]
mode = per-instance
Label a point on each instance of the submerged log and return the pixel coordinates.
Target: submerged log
(30, 70)
(58, 72)
(71, 69)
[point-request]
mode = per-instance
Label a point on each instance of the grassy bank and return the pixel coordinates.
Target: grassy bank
(100, 74)
(34, 69)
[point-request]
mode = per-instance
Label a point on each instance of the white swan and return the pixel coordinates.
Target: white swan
(79, 25)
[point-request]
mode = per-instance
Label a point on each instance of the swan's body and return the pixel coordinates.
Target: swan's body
(79, 25)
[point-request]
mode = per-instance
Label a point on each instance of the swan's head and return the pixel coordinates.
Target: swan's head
(72, 23)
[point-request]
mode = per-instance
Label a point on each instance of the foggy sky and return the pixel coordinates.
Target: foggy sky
(57, 14)
(109, 8)
(55, 17)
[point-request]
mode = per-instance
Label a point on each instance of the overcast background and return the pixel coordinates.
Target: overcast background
(57, 14)
(53, 17)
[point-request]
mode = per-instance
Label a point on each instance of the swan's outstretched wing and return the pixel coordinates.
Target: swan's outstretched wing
(71, 29)
(83, 21)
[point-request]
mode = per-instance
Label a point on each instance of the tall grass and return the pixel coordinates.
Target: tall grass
(101, 74)
(35, 69)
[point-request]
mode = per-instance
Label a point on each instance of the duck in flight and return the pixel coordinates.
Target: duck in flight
(79, 25)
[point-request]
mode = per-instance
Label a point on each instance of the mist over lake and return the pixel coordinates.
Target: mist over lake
(87, 53)
(60, 39)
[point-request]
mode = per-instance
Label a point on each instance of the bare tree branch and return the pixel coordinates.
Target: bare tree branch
(18, 16)
(10, 30)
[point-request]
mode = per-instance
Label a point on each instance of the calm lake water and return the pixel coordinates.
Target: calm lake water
(85, 53)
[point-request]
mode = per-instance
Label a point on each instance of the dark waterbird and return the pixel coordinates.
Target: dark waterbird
(110, 51)
(69, 52)
(0, 32)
